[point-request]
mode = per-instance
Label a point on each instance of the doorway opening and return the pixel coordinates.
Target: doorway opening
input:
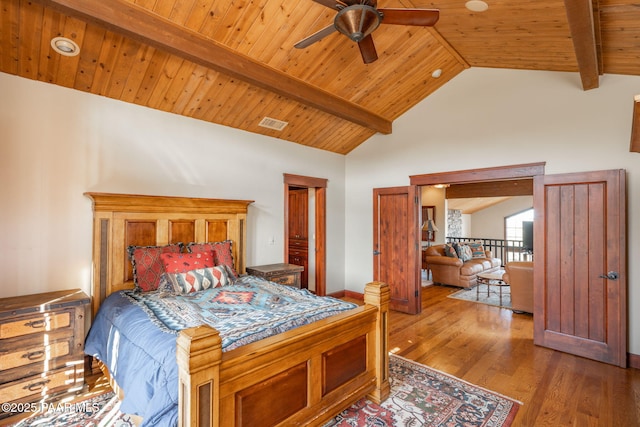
(305, 228)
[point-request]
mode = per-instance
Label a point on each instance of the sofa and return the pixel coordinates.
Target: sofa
(519, 277)
(452, 270)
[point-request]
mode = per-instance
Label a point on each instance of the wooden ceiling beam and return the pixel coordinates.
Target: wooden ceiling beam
(585, 31)
(515, 187)
(143, 25)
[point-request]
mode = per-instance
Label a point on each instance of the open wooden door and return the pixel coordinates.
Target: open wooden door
(580, 292)
(395, 243)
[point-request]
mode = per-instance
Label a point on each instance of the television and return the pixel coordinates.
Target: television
(527, 236)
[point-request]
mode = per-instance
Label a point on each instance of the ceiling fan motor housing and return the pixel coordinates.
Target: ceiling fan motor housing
(357, 21)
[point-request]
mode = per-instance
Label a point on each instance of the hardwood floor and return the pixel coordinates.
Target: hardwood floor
(493, 348)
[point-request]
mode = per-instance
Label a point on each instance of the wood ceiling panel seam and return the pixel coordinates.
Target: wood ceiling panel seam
(30, 36)
(9, 36)
(68, 68)
(281, 60)
(191, 88)
(210, 103)
(92, 40)
(124, 65)
(48, 61)
(175, 95)
(181, 11)
(264, 31)
(231, 31)
(243, 102)
(200, 10)
(214, 20)
(164, 80)
(253, 23)
(275, 39)
(224, 91)
(106, 62)
(148, 83)
(252, 116)
(142, 60)
(147, 4)
(200, 97)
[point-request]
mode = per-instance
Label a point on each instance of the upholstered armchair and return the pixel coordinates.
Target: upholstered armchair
(519, 276)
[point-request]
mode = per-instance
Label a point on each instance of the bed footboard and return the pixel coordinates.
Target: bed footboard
(301, 377)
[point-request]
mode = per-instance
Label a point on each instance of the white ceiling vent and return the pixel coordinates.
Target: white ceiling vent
(274, 124)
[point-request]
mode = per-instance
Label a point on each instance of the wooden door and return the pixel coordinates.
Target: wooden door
(395, 243)
(580, 292)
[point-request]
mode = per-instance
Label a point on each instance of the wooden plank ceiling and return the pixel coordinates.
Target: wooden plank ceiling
(232, 62)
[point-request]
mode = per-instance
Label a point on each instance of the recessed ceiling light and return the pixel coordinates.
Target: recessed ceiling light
(476, 5)
(436, 73)
(64, 46)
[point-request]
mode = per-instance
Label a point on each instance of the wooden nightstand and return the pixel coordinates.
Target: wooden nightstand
(41, 346)
(285, 274)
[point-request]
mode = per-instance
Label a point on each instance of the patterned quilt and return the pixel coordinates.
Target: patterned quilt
(134, 335)
(249, 310)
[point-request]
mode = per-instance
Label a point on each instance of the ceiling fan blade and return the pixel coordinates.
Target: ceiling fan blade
(332, 4)
(367, 49)
(422, 17)
(315, 37)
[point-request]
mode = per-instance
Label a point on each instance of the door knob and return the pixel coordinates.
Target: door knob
(612, 275)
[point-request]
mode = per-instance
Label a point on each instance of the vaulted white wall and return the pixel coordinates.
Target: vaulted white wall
(58, 143)
(492, 117)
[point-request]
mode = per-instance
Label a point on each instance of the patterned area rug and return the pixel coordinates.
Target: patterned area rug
(480, 296)
(98, 410)
(422, 396)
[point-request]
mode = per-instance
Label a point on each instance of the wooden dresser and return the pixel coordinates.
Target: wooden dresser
(284, 274)
(41, 347)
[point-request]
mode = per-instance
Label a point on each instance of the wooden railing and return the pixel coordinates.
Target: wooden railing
(506, 250)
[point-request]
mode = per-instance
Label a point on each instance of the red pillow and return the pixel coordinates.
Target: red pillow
(181, 263)
(147, 265)
(221, 253)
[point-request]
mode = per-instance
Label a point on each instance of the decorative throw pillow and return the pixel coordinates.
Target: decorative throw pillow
(450, 251)
(147, 265)
(222, 254)
(477, 250)
(181, 262)
(464, 253)
(198, 280)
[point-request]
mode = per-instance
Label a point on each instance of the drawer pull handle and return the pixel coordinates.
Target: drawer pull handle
(34, 355)
(36, 323)
(36, 386)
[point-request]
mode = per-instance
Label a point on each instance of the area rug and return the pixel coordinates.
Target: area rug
(481, 297)
(98, 410)
(422, 396)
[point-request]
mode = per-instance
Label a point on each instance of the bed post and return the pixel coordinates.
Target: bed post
(377, 294)
(199, 353)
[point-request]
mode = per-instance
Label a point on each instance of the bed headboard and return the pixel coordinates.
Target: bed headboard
(120, 220)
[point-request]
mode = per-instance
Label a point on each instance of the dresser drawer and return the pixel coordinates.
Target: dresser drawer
(35, 324)
(289, 279)
(33, 354)
(44, 384)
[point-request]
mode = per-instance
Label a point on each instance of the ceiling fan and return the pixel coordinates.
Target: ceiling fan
(357, 19)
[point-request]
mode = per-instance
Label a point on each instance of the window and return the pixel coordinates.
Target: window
(513, 234)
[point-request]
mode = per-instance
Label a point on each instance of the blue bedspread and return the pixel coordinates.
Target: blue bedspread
(135, 334)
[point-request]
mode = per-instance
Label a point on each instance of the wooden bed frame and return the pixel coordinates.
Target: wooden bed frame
(301, 377)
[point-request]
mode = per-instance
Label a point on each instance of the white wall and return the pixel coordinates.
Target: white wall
(492, 117)
(58, 143)
(489, 222)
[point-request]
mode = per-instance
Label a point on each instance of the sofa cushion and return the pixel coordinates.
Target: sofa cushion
(471, 268)
(450, 251)
(464, 252)
(477, 249)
